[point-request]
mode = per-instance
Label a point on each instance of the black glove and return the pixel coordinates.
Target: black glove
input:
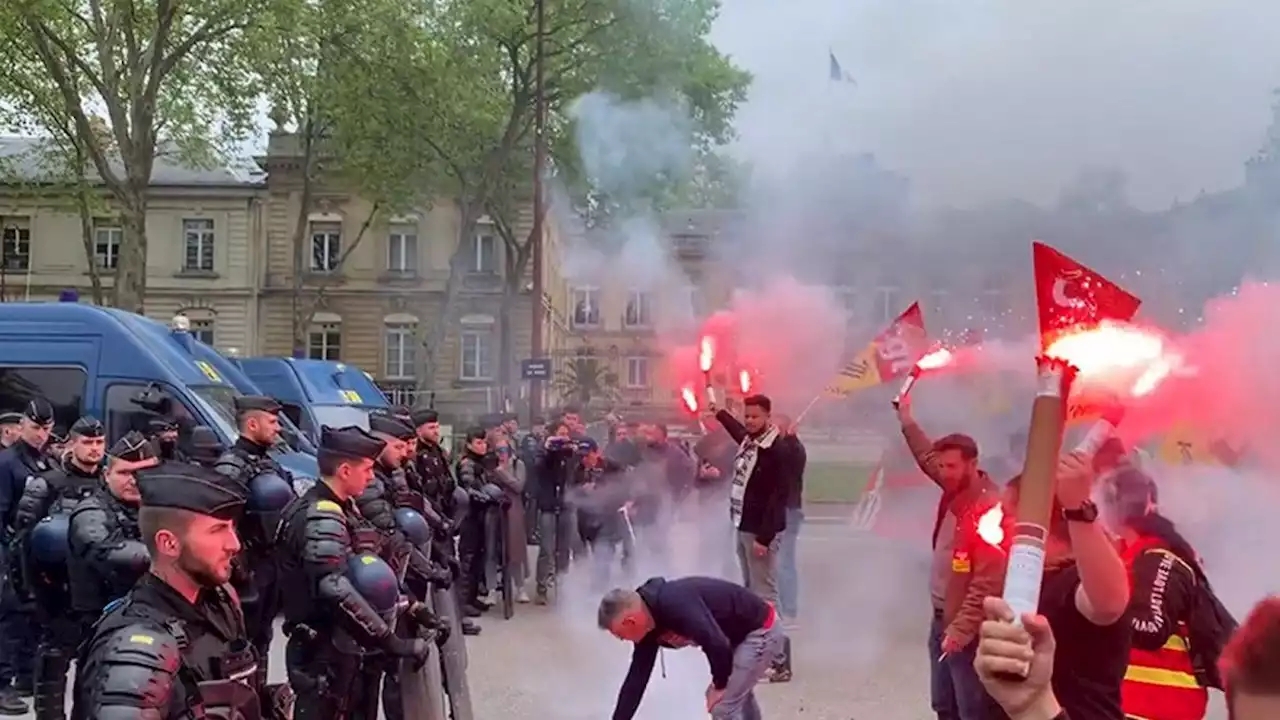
(415, 649)
(442, 629)
(441, 577)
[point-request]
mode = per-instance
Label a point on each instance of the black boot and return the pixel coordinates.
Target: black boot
(50, 671)
(469, 628)
(11, 704)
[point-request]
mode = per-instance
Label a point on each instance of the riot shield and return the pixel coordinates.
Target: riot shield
(453, 656)
(422, 695)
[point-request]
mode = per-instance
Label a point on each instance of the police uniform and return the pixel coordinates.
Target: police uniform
(341, 612)
(166, 450)
(154, 654)
(107, 555)
(268, 488)
(40, 544)
(7, 420)
(474, 483)
(18, 464)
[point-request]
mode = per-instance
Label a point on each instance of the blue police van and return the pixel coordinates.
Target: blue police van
(315, 393)
(124, 369)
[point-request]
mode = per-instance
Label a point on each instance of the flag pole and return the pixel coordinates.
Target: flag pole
(806, 409)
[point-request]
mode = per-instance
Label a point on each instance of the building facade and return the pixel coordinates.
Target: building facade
(200, 227)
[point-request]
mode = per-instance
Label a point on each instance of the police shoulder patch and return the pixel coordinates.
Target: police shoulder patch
(329, 506)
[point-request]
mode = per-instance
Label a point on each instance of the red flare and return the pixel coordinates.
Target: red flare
(991, 526)
(744, 381)
(935, 359)
(690, 399)
(706, 353)
(1118, 354)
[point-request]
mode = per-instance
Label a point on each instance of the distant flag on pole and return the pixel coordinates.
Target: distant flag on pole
(837, 73)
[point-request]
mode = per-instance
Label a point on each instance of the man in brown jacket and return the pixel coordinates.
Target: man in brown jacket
(951, 463)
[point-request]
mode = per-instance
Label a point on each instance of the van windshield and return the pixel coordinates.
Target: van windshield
(336, 416)
(219, 402)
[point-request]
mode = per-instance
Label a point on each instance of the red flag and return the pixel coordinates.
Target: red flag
(1069, 294)
(890, 355)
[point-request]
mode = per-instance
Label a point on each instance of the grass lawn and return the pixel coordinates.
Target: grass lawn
(835, 482)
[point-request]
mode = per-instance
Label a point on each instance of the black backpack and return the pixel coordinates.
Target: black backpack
(1210, 625)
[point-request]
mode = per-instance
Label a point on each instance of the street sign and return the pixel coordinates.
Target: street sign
(535, 369)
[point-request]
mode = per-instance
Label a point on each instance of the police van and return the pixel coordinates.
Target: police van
(122, 368)
(315, 393)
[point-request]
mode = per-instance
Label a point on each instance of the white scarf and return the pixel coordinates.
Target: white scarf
(744, 464)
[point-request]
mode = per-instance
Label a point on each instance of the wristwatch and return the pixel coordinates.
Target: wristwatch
(1086, 513)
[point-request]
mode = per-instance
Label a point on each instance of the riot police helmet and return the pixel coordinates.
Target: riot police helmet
(268, 492)
(413, 525)
(376, 582)
(48, 541)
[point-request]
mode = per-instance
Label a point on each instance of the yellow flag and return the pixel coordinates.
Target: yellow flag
(859, 373)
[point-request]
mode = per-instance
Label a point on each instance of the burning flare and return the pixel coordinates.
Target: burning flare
(689, 398)
(1118, 354)
(991, 526)
(935, 359)
(706, 353)
(744, 381)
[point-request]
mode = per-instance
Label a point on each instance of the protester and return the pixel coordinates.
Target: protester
(511, 475)
(738, 632)
(557, 523)
(1250, 665)
(1168, 586)
(601, 496)
(788, 574)
(1016, 664)
(951, 462)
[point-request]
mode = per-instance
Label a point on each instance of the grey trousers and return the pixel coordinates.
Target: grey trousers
(558, 541)
(759, 572)
(751, 660)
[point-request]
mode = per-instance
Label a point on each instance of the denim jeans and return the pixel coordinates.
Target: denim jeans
(788, 575)
(956, 693)
(751, 660)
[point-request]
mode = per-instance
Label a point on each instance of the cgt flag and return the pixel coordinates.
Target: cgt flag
(890, 355)
(1069, 294)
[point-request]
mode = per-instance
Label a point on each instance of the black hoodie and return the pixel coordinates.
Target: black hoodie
(716, 615)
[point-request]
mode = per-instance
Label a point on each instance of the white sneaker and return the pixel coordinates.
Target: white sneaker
(522, 597)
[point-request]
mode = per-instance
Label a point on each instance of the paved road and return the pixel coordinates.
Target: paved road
(859, 651)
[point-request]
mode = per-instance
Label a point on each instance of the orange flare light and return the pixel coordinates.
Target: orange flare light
(1115, 353)
(939, 358)
(706, 353)
(991, 526)
(690, 399)
(744, 381)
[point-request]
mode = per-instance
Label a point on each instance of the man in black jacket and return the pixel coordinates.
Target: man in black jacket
(739, 633)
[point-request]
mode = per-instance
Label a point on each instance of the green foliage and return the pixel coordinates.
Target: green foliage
(169, 76)
(586, 378)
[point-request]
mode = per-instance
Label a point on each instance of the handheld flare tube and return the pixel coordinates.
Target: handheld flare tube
(1035, 497)
(907, 384)
(710, 390)
(1101, 431)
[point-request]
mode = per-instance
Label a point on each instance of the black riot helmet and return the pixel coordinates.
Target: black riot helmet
(268, 493)
(47, 543)
(376, 582)
(413, 525)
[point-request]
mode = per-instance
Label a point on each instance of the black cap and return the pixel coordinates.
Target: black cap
(189, 487)
(58, 435)
(350, 442)
(161, 424)
(87, 426)
(133, 447)
(259, 403)
(10, 418)
(390, 425)
(422, 417)
(39, 411)
(205, 438)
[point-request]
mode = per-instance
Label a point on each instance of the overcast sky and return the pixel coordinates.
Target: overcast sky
(984, 99)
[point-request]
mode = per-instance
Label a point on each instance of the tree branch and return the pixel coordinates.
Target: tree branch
(328, 279)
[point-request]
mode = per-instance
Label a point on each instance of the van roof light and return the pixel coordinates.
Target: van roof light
(180, 323)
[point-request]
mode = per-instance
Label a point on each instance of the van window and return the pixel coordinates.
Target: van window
(124, 414)
(63, 387)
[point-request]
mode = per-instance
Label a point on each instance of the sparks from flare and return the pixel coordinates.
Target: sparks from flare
(690, 399)
(744, 381)
(991, 526)
(935, 359)
(1114, 352)
(706, 353)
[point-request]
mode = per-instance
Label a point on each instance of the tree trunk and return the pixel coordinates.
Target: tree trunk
(86, 235)
(130, 290)
(508, 371)
(436, 335)
(298, 330)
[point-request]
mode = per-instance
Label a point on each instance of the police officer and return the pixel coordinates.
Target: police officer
(10, 428)
(340, 632)
(175, 648)
(107, 555)
(268, 489)
(25, 459)
(41, 527)
(164, 435)
(478, 495)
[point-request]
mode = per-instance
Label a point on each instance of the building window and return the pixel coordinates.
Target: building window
(401, 346)
(198, 240)
(106, 245)
(15, 251)
(402, 249)
(586, 307)
(887, 309)
(484, 255)
(639, 310)
(476, 356)
(326, 246)
(325, 342)
(637, 372)
(202, 330)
